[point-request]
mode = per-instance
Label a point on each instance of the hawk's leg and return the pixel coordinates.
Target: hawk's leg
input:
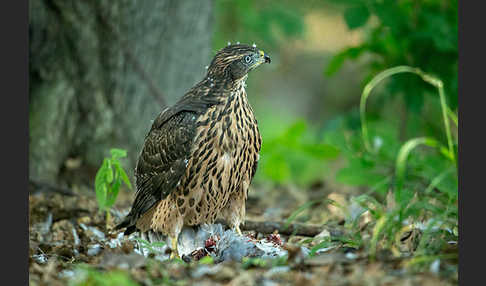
(167, 220)
(174, 253)
(234, 211)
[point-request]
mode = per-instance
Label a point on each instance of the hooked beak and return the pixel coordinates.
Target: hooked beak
(264, 58)
(267, 59)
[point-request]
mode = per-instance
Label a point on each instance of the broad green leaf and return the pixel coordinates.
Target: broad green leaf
(321, 151)
(276, 167)
(113, 193)
(356, 17)
(122, 173)
(100, 184)
(118, 153)
(101, 194)
(109, 172)
(294, 132)
(338, 60)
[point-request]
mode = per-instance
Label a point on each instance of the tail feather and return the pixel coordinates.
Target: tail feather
(127, 223)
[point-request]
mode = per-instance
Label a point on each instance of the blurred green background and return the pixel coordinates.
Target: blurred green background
(323, 53)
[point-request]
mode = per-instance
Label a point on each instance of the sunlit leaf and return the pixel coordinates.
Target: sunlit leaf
(114, 189)
(122, 174)
(118, 153)
(100, 184)
(109, 172)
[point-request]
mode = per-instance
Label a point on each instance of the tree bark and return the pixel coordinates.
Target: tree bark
(101, 71)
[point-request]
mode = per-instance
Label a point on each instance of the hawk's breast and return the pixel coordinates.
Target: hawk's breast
(223, 158)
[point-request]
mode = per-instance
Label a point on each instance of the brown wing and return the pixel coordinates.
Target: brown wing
(165, 154)
(161, 164)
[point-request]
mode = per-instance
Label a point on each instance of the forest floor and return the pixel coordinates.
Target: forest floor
(70, 244)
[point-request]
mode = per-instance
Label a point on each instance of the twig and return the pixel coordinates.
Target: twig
(292, 229)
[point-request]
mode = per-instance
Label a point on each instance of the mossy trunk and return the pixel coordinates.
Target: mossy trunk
(100, 71)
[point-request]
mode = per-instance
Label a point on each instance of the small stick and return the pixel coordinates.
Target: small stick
(292, 229)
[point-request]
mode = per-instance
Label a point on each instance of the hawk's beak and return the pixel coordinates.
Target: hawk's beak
(267, 59)
(264, 58)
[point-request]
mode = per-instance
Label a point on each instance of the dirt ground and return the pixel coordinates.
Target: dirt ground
(67, 233)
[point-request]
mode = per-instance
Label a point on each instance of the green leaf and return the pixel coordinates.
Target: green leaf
(356, 17)
(113, 193)
(206, 260)
(323, 244)
(100, 184)
(359, 173)
(276, 168)
(109, 172)
(338, 60)
(294, 132)
(118, 153)
(321, 151)
(122, 173)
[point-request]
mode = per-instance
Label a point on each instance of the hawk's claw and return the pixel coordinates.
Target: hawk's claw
(238, 230)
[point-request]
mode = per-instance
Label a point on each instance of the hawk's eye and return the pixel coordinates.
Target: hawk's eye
(248, 59)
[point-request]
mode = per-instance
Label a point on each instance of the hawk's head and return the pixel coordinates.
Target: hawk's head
(235, 61)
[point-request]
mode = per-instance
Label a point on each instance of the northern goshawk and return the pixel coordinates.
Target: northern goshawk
(201, 154)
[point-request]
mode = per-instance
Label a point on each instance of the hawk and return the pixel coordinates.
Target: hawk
(200, 155)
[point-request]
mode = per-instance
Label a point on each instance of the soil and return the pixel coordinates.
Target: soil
(67, 232)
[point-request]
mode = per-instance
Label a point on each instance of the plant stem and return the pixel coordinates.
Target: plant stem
(108, 218)
(446, 112)
(366, 93)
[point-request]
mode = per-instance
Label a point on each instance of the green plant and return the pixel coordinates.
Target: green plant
(261, 22)
(109, 179)
(405, 32)
(88, 276)
(293, 155)
(423, 182)
(150, 246)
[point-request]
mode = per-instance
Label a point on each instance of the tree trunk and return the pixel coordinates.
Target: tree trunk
(100, 71)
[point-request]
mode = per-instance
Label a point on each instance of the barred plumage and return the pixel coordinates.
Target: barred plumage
(201, 154)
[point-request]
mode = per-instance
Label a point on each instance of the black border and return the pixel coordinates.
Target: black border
(14, 27)
(471, 133)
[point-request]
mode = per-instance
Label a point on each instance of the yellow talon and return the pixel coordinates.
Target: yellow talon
(238, 230)
(174, 253)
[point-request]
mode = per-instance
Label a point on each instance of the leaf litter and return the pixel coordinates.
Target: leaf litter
(70, 244)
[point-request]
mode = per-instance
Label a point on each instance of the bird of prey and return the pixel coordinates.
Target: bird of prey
(200, 155)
